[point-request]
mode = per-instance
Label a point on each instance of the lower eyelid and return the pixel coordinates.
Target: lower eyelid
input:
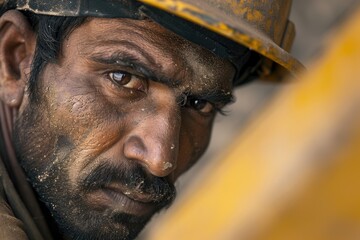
(137, 84)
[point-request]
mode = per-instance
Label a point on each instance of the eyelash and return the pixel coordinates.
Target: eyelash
(221, 111)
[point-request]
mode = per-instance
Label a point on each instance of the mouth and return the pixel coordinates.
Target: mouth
(117, 198)
(136, 195)
(112, 190)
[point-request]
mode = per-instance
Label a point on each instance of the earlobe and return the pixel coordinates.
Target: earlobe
(17, 44)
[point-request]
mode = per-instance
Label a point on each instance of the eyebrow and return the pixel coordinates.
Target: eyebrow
(217, 96)
(122, 59)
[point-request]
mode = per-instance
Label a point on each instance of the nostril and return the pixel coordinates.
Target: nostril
(134, 148)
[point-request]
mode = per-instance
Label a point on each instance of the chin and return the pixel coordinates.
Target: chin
(100, 226)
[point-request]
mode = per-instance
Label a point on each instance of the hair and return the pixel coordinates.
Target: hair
(51, 32)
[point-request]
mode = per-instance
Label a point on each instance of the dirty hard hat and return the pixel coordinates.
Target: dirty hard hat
(255, 35)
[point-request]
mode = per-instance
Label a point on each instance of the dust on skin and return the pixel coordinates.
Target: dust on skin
(84, 121)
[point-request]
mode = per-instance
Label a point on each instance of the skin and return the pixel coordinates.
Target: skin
(127, 108)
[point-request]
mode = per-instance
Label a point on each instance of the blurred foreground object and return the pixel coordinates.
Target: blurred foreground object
(294, 173)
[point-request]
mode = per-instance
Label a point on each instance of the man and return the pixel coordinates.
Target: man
(104, 104)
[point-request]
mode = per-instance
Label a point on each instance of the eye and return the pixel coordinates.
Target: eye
(200, 105)
(127, 80)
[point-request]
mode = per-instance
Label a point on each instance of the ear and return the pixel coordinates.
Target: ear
(17, 44)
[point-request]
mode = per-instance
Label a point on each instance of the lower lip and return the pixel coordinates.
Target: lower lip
(118, 201)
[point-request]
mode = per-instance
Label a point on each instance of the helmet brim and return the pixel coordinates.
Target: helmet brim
(238, 30)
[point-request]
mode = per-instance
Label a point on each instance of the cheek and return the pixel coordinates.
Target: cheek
(79, 110)
(80, 120)
(194, 140)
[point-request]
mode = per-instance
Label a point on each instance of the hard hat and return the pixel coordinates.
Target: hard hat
(261, 26)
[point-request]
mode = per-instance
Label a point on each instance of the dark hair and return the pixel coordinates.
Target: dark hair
(51, 31)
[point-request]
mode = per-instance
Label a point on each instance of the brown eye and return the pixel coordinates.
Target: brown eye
(120, 78)
(200, 105)
(128, 80)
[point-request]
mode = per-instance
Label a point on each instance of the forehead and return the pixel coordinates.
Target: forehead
(161, 49)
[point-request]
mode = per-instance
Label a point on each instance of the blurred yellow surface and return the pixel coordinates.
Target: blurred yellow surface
(293, 173)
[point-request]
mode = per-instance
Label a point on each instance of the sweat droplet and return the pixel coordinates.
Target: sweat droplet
(172, 146)
(167, 165)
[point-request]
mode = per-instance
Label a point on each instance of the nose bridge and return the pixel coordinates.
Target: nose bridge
(154, 142)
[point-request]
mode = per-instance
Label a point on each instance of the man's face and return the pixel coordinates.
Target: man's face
(125, 111)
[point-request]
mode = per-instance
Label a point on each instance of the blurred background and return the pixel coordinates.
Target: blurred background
(315, 21)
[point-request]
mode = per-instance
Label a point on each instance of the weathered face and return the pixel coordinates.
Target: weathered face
(127, 109)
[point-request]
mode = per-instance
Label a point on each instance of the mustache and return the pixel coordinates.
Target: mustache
(133, 178)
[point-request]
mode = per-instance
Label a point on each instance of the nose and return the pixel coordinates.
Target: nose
(154, 141)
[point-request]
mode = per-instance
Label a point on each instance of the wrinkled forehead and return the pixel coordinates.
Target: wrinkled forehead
(148, 33)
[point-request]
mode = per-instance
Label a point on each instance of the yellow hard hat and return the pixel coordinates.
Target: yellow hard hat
(262, 26)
